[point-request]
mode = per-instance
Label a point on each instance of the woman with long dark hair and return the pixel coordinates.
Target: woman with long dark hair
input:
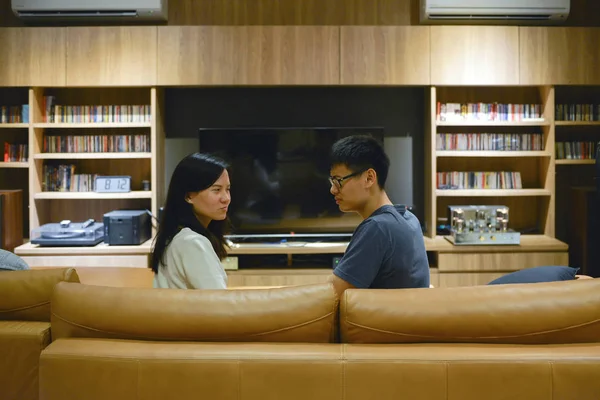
(190, 245)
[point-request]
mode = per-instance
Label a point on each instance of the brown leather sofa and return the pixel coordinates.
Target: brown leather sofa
(533, 342)
(25, 327)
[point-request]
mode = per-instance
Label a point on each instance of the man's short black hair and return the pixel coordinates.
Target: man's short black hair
(361, 152)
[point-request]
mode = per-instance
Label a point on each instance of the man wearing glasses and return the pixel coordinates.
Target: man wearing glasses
(387, 250)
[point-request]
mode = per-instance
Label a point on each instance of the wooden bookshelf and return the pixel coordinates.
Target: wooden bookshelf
(11, 164)
(76, 125)
(532, 206)
(577, 123)
(490, 153)
(46, 207)
(575, 162)
(14, 125)
(92, 156)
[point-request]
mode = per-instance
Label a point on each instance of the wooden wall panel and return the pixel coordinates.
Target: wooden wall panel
(293, 12)
(111, 56)
(32, 56)
(385, 55)
(560, 56)
(248, 55)
(474, 55)
(305, 12)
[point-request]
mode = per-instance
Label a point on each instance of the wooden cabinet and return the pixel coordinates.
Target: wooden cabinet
(474, 55)
(252, 55)
(111, 56)
(32, 56)
(390, 55)
(559, 56)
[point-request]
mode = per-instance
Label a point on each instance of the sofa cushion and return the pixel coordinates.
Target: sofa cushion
(26, 294)
(21, 343)
(537, 275)
(538, 313)
(288, 314)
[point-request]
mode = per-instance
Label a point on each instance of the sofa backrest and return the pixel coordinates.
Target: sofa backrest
(290, 314)
(25, 295)
(539, 313)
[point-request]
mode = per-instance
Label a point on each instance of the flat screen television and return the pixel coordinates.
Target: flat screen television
(279, 178)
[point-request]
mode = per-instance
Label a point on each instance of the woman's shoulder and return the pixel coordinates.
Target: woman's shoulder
(187, 237)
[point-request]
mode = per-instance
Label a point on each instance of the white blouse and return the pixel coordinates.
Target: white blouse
(191, 263)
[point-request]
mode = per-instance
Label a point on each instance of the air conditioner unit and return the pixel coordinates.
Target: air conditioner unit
(499, 12)
(146, 10)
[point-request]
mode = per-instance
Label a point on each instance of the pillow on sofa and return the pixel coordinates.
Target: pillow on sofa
(538, 274)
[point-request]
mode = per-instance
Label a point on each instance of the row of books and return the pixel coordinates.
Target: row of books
(575, 150)
(479, 180)
(62, 178)
(577, 112)
(14, 114)
(94, 113)
(97, 144)
(489, 141)
(457, 112)
(15, 152)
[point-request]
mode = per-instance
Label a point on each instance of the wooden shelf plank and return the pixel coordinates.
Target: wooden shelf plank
(28, 249)
(89, 156)
(529, 243)
(14, 125)
(491, 153)
(577, 123)
(491, 192)
(78, 125)
(14, 165)
(140, 194)
(492, 123)
(575, 162)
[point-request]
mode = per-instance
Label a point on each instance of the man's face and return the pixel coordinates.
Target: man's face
(350, 193)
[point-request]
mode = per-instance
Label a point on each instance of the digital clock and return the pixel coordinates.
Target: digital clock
(113, 184)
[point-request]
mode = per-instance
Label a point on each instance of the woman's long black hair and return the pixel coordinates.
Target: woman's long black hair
(194, 173)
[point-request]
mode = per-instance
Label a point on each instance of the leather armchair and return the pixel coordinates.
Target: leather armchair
(25, 327)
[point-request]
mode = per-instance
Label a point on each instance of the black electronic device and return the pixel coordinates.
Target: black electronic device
(127, 227)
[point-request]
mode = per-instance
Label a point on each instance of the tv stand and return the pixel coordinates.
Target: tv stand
(289, 238)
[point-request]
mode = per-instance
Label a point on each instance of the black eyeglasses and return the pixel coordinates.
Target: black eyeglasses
(337, 182)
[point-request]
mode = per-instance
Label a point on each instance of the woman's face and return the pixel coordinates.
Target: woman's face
(212, 203)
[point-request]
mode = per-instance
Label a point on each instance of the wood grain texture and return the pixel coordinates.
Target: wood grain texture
(248, 55)
(474, 55)
(32, 57)
(293, 12)
(499, 261)
(305, 12)
(559, 56)
(459, 279)
(384, 55)
(111, 56)
(11, 219)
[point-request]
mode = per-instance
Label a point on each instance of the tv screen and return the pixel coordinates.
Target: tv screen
(279, 178)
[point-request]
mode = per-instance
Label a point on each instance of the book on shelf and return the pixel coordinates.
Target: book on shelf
(488, 112)
(97, 144)
(14, 114)
(578, 112)
(62, 178)
(15, 152)
(126, 113)
(489, 141)
(478, 180)
(575, 150)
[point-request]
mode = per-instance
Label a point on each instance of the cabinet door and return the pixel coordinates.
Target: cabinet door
(32, 56)
(374, 55)
(474, 55)
(248, 55)
(111, 56)
(560, 56)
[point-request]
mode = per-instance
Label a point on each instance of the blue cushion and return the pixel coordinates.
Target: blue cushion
(538, 274)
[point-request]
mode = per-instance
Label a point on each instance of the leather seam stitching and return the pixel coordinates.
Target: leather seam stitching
(474, 337)
(220, 338)
(25, 307)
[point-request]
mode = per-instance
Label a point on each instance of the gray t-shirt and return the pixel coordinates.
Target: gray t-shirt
(387, 251)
